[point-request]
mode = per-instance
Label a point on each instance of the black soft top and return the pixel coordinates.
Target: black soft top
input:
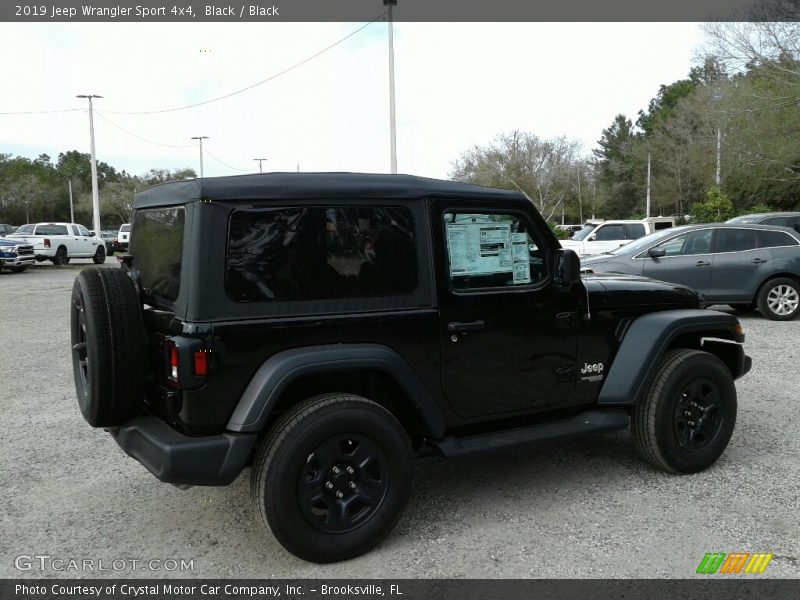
(280, 186)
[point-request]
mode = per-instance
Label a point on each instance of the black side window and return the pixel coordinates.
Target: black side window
(492, 251)
(775, 221)
(609, 233)
(318, 253)
(735, 240)
(633, 231)
(773, 239)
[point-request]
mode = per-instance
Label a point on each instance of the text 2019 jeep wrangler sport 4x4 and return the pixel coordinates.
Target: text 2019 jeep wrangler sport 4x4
(327, 328)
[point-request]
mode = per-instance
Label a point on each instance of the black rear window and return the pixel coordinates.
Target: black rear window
(157, 249)
(51, 230)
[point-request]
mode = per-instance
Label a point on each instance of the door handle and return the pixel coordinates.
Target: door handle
(702, 263)
(466, 327)
(759, 261)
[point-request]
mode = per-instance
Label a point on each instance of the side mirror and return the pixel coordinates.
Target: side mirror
(91, 234)
(567, 267)
(592, 238)
(656, 252)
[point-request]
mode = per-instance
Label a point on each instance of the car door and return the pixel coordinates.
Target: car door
(738, 265)
(508, 333)
(605, 238)
(88, 243)
(687, 260)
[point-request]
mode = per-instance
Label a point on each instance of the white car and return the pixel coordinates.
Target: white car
(598, 237)
(59, 242)
(123, 237)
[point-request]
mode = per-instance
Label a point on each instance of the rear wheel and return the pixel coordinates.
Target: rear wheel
(108, 346)
(100, 256)
(333, 477)
(61, 257)
(779, 299)
(684, 422)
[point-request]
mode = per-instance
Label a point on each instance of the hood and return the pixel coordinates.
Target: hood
(610, 290)
(9, 241)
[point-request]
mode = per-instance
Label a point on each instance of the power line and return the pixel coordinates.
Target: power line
(43, 112)
(138, 137)
(250, 87)
(224, 164)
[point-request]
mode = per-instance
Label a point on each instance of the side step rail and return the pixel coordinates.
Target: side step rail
(591, 421)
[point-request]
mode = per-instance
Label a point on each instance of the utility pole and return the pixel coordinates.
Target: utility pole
(719, 153)
(260, 160)
(200, 138)
(648, 185)
(71, 210)
(580, 200)
(95, 193)
(392, 120)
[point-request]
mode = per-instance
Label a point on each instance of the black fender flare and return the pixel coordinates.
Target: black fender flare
(278, 371)
(650, 335)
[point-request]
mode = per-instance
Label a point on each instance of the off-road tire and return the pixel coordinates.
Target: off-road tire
(60, 257)
(655, 425)
(291, 454)
(100, 256)
(109, 346)
(773, 286)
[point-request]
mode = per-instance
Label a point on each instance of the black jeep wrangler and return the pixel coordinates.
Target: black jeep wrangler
(328, 328)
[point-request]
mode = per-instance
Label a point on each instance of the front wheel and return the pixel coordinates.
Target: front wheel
(779, 299)
(333, 477)
(686, 419)
(17, 269)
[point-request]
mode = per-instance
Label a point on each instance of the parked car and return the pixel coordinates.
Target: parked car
(571, 229)
(249, 326)
(597, 237)
(123, 237)
(783, 219)
(15, 255)
(60, 242)
(6, 229)
(745, 266)
(109, 237)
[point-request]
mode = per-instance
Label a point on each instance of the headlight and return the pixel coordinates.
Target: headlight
(8, 250)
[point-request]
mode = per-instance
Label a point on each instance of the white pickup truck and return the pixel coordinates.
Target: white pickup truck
(600, 236)
(59, 242)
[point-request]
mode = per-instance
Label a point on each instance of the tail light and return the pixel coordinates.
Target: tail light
(172, 362)
(185, 362)
(200, 363)
(46, 243)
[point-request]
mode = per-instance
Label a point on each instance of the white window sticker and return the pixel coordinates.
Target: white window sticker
(521, 254)
(479, 248)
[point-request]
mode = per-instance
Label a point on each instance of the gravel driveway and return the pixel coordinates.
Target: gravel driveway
(587, 508)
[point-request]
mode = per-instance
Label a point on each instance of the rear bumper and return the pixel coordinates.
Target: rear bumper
(176, 458)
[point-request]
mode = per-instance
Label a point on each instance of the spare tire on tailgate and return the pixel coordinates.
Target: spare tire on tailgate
(109, 346)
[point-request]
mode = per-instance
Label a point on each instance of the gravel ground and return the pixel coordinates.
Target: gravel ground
(588, 508)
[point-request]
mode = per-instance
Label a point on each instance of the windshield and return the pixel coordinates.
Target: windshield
(124, 228)
(579, 236)
(646, 241)
(25, 229)
(743, 220)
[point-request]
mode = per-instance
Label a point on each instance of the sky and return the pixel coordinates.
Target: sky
(457, 85)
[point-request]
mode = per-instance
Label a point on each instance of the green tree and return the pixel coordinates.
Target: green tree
(716, 209)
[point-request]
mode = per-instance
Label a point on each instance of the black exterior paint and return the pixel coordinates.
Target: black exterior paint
(523, 363)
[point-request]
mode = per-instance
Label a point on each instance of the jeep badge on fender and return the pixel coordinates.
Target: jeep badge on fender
(302, 325)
